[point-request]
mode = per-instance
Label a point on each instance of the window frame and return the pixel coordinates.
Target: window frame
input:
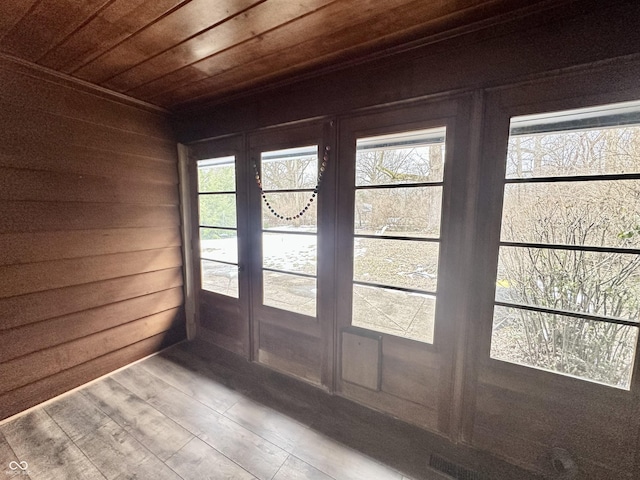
(538, 96)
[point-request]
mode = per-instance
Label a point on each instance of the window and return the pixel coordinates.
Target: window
(398, 203)
(289, 228)
(218, 225)
(568, 278)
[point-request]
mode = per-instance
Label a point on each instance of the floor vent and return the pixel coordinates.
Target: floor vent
(453, 470)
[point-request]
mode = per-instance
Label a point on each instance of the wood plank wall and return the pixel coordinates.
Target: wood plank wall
(90, 245)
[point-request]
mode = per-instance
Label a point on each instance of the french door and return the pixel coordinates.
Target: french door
(290, 203)
(404, 208)
(220, 243)
(353, 247)
(263, 246)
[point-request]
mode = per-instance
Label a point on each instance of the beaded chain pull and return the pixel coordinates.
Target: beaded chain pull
(323, 166)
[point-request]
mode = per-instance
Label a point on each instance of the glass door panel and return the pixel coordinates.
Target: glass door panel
(288, 179)
(217, 220)
(397, 215)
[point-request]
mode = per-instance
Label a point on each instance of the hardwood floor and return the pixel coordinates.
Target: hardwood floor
(179, 416)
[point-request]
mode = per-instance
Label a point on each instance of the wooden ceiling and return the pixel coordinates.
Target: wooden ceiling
(176, 53)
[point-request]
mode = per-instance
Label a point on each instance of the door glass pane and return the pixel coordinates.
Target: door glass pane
(408, 212)
(409, 157)
(219, 278)
(219, 244)
(398, 193)
(408, 315)
(290, 211)
(400, 263)
(293, 168)
(291, 253)
(290, 204)
(218, 210)
(290, 292)
(217, 175)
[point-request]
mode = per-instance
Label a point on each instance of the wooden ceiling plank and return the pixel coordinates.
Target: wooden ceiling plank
(47, 24)
(114, 24)
(332, 17)
(190, 19)
(181, 52)
(296, 59)
(252, 23)
(281, 64)
(157, 88)
(11, 12)
(278, 55)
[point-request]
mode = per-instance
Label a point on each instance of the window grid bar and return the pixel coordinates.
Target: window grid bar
(286, 232)
(392, 287)
(580, 248)
(297, 274)
(218, 261)
(235, 229)
(566, 313)
(290, 190)
(575, 178)
(218, 193)
(400, 185)
(397, 237)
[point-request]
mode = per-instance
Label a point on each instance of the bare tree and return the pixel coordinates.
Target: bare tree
(592, 213)
(288, 174)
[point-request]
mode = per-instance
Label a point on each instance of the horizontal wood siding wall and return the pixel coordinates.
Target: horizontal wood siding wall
(90, 244)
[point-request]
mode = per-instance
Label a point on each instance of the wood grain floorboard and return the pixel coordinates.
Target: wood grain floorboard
(234, 375)
(253, 453)
(195, 384)
(113, 450)
(296, 469)
(6, 457)
(154, 430)
(36, 439)
(244, 447)
(159, 419)
(199, 461)
(341, 462)
(77, 415)
(187, 412)
(151, 468)
(269, 424)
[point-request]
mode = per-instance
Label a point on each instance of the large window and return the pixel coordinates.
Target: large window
(568, 282)
(398, 202)
(218, 225)
(289, 228)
